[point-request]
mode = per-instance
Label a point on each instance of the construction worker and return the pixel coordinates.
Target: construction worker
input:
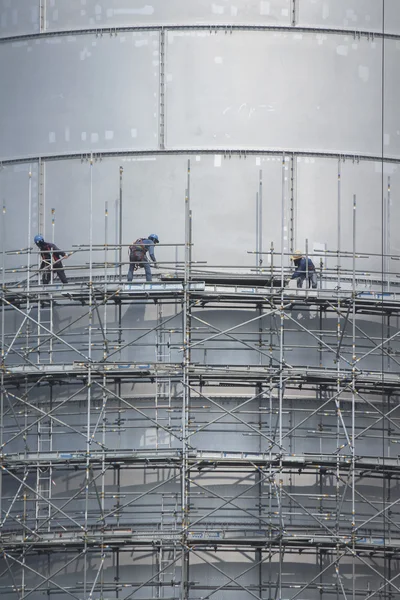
(304, 267)
(137, 255)
(51, 259)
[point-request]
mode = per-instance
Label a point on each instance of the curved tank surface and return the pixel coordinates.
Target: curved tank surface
(224, 430)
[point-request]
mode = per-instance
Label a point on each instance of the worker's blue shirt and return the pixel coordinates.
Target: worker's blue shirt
(149, 245)
(301, 268)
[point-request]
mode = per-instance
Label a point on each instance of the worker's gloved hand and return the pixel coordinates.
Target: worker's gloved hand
(155, 265)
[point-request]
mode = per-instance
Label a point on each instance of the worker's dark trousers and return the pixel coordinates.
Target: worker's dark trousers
(142, 263)
(312, 280)
(58, 270)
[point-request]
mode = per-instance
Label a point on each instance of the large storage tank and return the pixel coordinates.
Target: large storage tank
(214, 434)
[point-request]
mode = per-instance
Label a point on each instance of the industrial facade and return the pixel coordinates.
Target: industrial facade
(218, 432)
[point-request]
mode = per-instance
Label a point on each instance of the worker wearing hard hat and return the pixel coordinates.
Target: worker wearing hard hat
(137, 255)
(304, 268)
(51, 260)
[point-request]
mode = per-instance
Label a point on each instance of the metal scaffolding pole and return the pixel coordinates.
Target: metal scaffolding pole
(186, 330)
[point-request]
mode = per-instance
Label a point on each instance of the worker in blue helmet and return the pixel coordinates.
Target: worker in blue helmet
(51, 260)
(303, 267)
(138, 258)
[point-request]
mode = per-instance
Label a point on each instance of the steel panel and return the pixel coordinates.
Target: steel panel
(67, 94)
(356, 15)
(333, 101)
(392, 17)
(391, 118)
(113, 13)
(19, 17)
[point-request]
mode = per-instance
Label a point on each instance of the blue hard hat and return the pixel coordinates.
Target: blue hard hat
(154, 237)
(38, 239)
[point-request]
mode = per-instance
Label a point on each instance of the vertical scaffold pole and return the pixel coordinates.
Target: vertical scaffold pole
(121, 170)
(260, 218)
(53, 237)
(53, 224)
(294, 12)
(281, 334)
(41, 213)
(119, 305)
(42, 15)
(292, 223)
(42, 198)
(105, 355)
(354, 244)
(161, 123)
(338, 365)
(104, 393)
(282, 315)
(257, 229)
(28, 282)
(388, 241)
(353, 398)
(51, 308)
(271, 266)
(25, 494)
(186, 391)
(29, 229)
(260, 395)
(120, 209)
(89, 376)
(339, 337)
(386, 484)
(339, 201)
(307, 273)
(283, 197)
(105, 346)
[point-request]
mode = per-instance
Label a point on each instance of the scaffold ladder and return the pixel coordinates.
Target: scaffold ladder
(44, 338)
(44, 474)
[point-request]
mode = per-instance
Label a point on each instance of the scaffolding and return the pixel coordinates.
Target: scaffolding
(232, 437)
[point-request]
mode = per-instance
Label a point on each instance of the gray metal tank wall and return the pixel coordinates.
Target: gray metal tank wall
(223, 201)
(66, 96)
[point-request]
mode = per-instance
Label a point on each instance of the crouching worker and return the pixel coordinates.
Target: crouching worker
(137, 255)
(304, 268)
(51, 260)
